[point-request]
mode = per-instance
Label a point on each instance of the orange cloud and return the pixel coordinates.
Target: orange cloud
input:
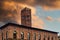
(46, 4)
(49, 18)
(58, 19)
(16, 8)
(37, 22)
(55, 5)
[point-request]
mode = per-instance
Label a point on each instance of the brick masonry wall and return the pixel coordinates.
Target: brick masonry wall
(11, 29)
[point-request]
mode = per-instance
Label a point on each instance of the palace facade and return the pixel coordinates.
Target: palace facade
(12, 31)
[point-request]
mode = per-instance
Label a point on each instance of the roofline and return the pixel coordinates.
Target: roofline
(27, 27)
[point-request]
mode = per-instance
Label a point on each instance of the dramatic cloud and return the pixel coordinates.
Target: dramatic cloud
(37, 22)
(46, 4)
(58, 19)
(49, 4)
(49, 18)
(11, 12)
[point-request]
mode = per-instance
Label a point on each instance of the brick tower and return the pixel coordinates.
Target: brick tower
(26, 17)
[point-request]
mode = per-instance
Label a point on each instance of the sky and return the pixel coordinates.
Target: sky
(51, 19)
(45, 13)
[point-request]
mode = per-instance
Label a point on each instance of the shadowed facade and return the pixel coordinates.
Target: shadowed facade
(13, 31)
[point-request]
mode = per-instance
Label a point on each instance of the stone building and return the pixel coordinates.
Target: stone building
(25, 31)
(12, 31)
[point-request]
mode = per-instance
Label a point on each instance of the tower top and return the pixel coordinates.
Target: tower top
(26, 9)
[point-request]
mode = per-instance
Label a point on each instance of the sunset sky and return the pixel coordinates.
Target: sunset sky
(45, 13)
(51, 18)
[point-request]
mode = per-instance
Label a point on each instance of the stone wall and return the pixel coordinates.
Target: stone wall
(11, 29)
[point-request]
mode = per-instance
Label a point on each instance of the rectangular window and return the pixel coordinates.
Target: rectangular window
(23, 17)
(28, 16)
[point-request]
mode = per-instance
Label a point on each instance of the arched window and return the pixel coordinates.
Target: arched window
(7, 35)
(34, 36)
(44, 37)
(2, 36)
(28, 36)
(14, 35)
(52, 38)
(48, 38)
(22, 35)
(39, 37)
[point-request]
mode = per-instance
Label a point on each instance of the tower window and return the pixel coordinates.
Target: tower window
(28, 16)
(28, 20)
(22, 36)
(23, 17)
(14, 35)
(28, 36)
